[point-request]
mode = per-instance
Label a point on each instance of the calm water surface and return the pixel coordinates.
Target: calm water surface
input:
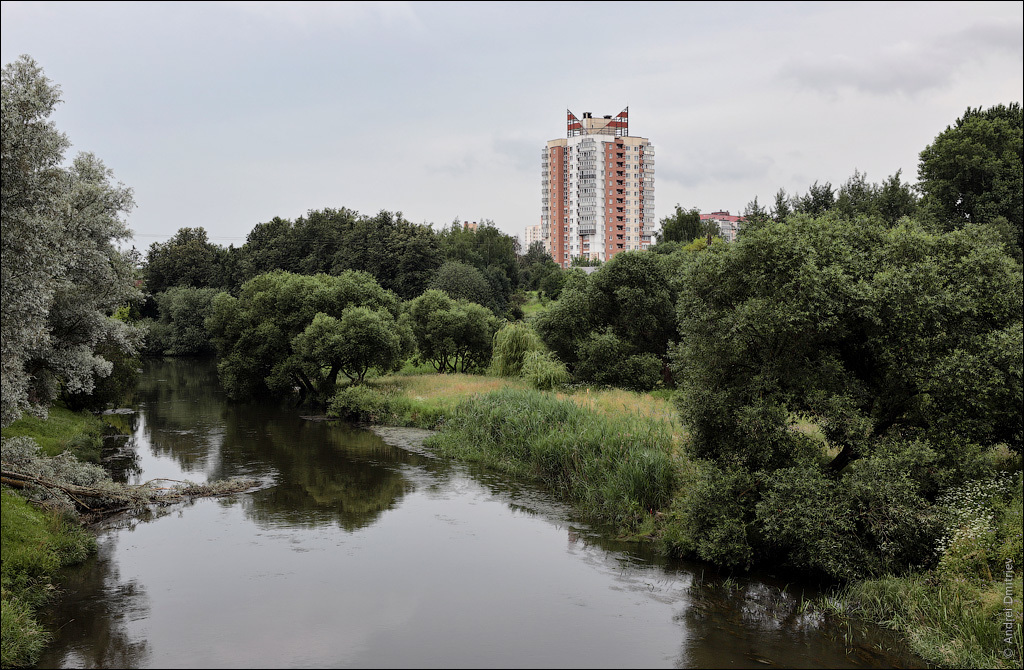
(361, 553)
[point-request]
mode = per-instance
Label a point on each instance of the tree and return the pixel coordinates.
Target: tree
(63, 276)
(974, 170)
(183, 311)
(867, 329)
(901, 345)
(894, 199)
(782, 208)
(536, 266)
(490, 251)
(614, 326)
(360, 340)
(452, 335)
(462, 281)
(857, 197)
(755, 215)
(257, 333)
(186, 259)
(683, 226)
(819, 199)
(511, 345)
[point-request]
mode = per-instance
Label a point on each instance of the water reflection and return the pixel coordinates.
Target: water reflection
(96, 605)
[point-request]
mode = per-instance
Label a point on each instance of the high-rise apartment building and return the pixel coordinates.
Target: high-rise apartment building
(597, 189)
(533, 234)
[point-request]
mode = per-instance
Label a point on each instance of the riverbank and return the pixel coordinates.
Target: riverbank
(36, 543)
(618, 457)
(55, 463)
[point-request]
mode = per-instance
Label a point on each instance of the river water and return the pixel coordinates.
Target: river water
(358, 552)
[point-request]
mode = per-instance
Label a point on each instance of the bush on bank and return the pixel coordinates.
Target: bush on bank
(965, 612)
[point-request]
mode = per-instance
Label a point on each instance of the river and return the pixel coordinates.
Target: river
(358, 552)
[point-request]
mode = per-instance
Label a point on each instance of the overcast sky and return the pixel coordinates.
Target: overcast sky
(224, 115)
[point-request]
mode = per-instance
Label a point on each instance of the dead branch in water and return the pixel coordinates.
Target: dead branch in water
(112, 498)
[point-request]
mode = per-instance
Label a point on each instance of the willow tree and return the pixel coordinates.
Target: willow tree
(63, 275)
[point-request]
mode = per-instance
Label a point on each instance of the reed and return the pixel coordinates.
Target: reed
(615, 468)
(953, 623)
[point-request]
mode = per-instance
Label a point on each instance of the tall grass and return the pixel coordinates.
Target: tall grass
(952, 623)
(33, 545)
(614, 468)
(535, 304)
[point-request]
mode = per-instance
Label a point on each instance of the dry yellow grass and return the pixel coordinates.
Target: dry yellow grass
(622, 403)
(448, 390)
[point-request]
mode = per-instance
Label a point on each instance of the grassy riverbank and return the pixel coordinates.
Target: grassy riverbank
(618, 457)
(36, 543)
(81, 433)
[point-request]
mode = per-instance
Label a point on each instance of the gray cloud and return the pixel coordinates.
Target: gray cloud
(905, 68)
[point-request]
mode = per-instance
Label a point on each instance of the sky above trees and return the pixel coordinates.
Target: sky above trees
(225, 115)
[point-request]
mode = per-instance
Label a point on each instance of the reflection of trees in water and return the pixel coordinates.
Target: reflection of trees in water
(326, 473)
(121, 457)
(94, 606)
(743, 623)
(181, 409)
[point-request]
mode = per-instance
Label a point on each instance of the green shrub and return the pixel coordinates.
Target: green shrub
(606, 359)
(544, 371)
(382, 405)
(711, 517)
(359, 403)
(977, 537)
(869, 522)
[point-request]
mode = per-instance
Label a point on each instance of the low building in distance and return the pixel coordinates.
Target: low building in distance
(533, 234)
(728, 225)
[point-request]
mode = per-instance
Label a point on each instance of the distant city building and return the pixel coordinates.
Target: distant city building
(728, 225)
(533, 234)
(597, 189)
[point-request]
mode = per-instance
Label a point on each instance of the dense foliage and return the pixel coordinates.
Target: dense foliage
(63, 275)
(974, 172)
(452, 335)
(180, 329)
(288, 332)
(614, 326)
(902, 346)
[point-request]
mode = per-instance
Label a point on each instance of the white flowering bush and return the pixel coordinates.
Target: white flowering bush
(970, 537)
